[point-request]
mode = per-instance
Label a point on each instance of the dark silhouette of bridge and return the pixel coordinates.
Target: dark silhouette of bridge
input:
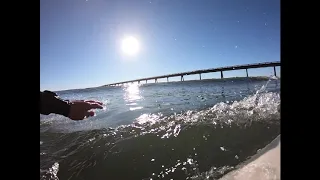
(220, 69)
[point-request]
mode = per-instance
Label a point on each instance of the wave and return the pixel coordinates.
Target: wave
(220, 125)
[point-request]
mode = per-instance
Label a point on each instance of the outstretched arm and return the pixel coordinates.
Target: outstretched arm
(75, 110)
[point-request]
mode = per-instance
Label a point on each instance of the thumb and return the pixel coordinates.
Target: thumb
(89, 114)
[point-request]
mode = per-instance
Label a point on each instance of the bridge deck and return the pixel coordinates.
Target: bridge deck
(220, 69)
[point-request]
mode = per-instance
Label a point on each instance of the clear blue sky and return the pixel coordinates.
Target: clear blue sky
(80, 40)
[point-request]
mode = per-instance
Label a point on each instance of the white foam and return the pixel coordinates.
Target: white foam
(51, 173)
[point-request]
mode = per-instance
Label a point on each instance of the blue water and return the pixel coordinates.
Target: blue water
(177, 130)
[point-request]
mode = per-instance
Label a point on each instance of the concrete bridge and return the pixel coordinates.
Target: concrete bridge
(220, 69)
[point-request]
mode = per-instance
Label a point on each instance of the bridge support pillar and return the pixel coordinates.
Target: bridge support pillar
(200, 76)
(275, 72)
(155, 80)
(182, 79)
(221, 74)
(247, 72)
(167, 79)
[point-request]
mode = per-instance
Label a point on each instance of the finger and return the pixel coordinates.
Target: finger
(89, 114)
(95, 106)
(77, 101)
(91, 101)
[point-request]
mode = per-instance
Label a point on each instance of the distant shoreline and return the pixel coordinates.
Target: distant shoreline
(231, 78)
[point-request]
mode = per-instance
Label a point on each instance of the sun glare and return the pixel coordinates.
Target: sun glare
(130, 46)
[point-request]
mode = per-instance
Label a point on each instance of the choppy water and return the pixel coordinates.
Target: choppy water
(178, 130)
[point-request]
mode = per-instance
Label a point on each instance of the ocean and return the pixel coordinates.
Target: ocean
(176, 130)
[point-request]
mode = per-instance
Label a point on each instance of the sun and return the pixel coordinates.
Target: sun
(130, 46)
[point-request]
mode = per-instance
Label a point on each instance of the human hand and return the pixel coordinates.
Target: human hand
(81, 109)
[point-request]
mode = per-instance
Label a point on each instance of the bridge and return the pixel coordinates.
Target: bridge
(220, 69)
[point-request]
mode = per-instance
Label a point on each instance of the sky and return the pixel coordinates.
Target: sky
(81, 40)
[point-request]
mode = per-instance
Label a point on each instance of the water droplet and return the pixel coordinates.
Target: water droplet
(222, 148)
(162, 166)
(205, 138)
(236, 47)
(152, 160)
(236, 157)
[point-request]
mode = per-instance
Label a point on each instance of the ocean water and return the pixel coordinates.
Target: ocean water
(177, 130)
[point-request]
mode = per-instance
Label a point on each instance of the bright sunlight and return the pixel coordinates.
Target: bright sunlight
(130, 45)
